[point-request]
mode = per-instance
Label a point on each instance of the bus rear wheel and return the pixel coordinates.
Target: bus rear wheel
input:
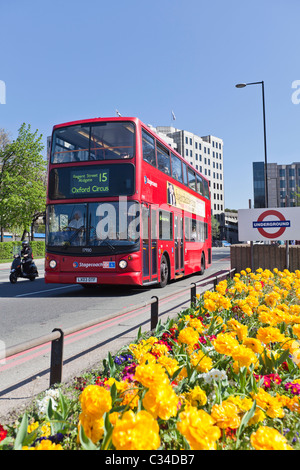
(164, 271)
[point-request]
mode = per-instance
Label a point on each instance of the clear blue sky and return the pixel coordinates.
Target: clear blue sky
(63, 60)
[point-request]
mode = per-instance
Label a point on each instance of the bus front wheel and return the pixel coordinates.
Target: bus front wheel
(164, 271)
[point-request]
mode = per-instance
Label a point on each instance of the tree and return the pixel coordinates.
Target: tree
(22, 180)
(215, 227)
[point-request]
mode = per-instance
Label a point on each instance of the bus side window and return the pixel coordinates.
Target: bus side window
(192, 179)
(165, 225)
(176, 168)
(206, 189)
(200, 231)
(185, 181)
(187, 228)
(148, 148)
(163, 159)
(200, 186)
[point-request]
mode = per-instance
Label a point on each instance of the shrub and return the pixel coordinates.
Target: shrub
(8, 248)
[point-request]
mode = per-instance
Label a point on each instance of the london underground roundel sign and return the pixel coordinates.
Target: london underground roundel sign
(269, 224)
(278, 221)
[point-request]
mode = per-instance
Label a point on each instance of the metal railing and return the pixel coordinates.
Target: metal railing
(56, 337)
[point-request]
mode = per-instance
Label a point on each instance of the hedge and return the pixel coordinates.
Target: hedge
(7, 248)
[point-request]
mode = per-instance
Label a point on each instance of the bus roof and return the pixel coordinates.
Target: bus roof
(99, 119)
(132, 119)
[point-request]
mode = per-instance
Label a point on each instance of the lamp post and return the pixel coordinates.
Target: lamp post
(242, 85)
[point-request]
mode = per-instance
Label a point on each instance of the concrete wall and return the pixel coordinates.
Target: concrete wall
(265, 257)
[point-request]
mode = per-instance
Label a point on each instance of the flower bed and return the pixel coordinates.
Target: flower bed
(223, 375)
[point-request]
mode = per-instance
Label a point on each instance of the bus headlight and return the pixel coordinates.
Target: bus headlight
(123, 264)
(53, 264)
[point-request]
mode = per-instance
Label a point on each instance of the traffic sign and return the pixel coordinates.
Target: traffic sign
(269, 224)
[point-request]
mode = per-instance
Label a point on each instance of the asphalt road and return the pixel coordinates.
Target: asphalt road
(33, 309)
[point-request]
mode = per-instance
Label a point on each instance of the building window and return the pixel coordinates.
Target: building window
(282, 172)
(282, 183)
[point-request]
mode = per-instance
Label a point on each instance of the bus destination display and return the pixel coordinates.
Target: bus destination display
(89, 182)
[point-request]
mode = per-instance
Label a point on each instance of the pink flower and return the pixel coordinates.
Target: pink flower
(293, 387)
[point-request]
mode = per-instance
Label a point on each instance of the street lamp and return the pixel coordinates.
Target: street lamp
(243, 85)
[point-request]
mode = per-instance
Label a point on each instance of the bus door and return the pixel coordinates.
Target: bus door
(179, 248)
(149, 231)
(154, 238)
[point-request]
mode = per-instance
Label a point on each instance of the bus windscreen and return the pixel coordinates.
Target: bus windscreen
(94, 141)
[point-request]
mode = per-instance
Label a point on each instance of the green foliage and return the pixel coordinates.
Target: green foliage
(215, 227)
(7, 248)
(22, 180)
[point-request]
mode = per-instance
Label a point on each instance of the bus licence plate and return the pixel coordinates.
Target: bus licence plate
(86, 279)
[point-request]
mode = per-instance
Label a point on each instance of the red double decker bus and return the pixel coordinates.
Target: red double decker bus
(122, 207)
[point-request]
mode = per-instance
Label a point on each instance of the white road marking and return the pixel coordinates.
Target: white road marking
(47, 290)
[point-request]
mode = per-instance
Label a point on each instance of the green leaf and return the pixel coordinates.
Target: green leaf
(22, 433)
(246, 418)
(111, 365)
(86, 442)
(50, 411)
(282, 358)
(176, 373)
(63, 406)
(113, 392)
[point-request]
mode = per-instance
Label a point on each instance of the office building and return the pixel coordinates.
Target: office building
(206, 155)
(283, 184)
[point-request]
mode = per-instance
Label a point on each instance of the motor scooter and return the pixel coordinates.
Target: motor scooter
(17, 270)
